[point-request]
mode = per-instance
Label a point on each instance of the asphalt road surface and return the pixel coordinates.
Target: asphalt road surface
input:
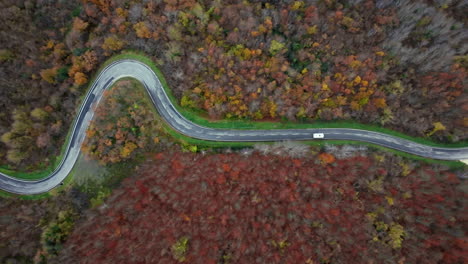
(143, 73)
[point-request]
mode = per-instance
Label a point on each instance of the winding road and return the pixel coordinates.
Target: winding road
(143, 73)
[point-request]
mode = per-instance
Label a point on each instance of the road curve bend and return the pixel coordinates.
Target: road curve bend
(143, 73)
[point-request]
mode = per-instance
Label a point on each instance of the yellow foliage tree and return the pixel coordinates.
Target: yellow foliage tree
(113, 43)
(273, 108)
(142, 30)
(128, 148)
(48, 75)
(121, 12)
(39, 114)
(297, 5)
(396, 234)
(438, 126)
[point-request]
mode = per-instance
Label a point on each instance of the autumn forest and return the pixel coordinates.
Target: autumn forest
(140, 194)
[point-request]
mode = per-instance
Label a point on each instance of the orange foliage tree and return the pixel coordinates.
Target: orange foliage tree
(80, 78)
(79, 24)
(326, 158)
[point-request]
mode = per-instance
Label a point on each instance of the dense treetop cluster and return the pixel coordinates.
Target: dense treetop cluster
(397, 64)
(123, 123)
(254, 208)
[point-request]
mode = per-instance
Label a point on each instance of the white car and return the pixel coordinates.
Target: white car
(318, 135)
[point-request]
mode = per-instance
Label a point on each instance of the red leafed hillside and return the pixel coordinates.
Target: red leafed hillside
(229, 208)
